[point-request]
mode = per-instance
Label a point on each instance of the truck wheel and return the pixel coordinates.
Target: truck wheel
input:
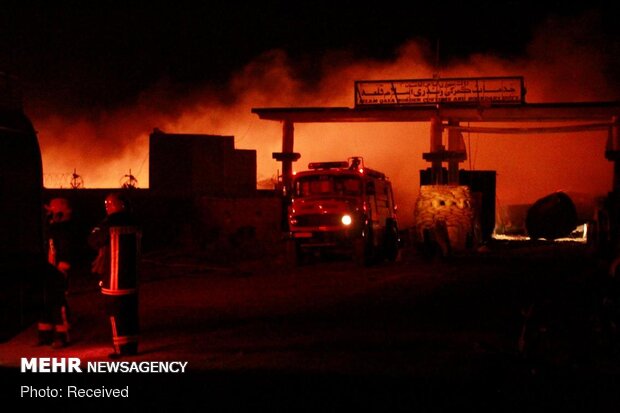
(295, 256)
(290, 253)
(363, 249)
(391, 242)
(301, 256)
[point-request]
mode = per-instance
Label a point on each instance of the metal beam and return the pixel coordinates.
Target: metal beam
(537, 130)
(533, 112)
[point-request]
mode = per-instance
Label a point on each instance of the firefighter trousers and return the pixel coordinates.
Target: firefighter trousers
(122, 311)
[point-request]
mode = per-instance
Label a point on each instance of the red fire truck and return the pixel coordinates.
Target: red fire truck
(343, 207)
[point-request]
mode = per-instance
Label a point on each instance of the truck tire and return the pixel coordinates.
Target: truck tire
(391, 241)
(295, 255)
(363, 248)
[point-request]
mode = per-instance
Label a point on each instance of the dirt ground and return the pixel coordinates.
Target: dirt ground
(420, 334)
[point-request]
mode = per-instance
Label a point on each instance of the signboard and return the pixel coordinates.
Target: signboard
(495, 90)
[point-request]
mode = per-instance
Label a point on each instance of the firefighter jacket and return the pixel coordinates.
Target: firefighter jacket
(63, 243)
(117, 240)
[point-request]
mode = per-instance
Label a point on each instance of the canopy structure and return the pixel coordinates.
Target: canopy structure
(579, 116)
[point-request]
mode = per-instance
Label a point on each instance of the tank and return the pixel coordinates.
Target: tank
(551, 217)
(21, 214)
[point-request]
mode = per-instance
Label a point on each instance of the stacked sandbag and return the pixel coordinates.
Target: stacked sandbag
(445, 206)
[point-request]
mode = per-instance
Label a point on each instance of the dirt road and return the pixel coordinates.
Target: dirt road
(416, 334)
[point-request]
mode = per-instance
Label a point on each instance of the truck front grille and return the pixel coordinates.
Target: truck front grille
(318, 220)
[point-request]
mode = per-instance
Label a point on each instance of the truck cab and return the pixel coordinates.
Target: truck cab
(343, 207)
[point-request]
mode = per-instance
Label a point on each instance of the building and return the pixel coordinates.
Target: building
(203, 165)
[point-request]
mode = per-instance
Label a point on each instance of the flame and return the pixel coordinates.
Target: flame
(558, 66)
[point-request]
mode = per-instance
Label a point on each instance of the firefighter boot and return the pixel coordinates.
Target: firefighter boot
(61, 339)
(128, 349)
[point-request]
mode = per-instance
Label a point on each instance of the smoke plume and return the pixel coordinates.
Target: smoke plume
(565, 62)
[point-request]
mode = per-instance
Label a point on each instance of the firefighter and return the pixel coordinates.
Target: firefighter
(117, 240)
(62, 256)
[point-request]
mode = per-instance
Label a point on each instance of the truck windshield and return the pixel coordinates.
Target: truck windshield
(321, 185)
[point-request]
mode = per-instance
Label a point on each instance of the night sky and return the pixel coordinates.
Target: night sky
(103, 54)
(98, 77)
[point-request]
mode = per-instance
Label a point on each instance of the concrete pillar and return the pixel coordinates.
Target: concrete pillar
(288, 140)
(455, 144)
(612, 151)
(436, 146)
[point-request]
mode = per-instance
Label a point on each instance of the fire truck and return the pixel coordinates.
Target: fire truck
(343, 207)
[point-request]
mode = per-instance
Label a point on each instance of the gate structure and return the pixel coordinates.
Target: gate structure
(448, 103)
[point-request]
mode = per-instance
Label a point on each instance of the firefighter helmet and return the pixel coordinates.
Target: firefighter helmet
(59, 210)
(115, 202)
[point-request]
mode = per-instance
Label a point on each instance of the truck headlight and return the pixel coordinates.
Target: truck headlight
(346, 219)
